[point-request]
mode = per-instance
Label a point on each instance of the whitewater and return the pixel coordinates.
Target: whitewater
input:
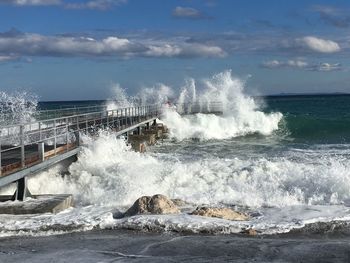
(246, 158)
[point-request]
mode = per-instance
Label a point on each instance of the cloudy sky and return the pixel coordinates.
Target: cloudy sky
(65, 49)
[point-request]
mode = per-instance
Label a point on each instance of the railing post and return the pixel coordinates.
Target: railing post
(67, 135)
(55, 136)
(77, 130)
(22, 146)
(77, 137)
(86, 124)
(138, 113)
(41, 151)
(0, 156)
(129, 116)
(108, 119)
(126, 117)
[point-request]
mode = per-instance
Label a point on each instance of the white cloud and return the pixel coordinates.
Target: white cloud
(297, 63)
(92, 4)
(200, 50)
(7, 58)
(185, 50)
(31, 2)
(165, 50)
(301, 64)
(95, 4)
(38, 45)
(318, 44)
(188, 12)
(289, 63)
(326, 67)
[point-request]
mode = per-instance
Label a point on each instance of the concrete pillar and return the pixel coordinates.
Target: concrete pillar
(147, 126)
(22, 191)
(138, 130)
(154, 122)
(41, 151)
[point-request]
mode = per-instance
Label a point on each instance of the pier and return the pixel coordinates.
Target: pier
(28, 148)
(54, 136)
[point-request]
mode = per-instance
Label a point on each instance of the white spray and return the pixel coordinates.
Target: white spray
(241, 115)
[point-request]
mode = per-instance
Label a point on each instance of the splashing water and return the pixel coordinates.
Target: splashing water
(241, 115)
(158, 94)
(120, 98)
(288, 191)
(17, 107)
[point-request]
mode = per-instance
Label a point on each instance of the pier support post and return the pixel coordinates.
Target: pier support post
(138, 130)
(41, 151)
(154, 122)
(147, 126)
(77, 137)
(22, 191)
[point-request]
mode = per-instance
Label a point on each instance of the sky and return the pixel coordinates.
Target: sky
(77, 50)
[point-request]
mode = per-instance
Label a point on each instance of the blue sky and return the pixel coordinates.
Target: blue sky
(68, 50)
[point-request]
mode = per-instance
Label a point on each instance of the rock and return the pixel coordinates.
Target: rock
(157, 204)
(179, 202)
(250, 232)
(224, 213)
(117, 214)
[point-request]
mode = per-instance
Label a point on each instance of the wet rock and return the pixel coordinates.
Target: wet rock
(224, 213)
(179, 202)
(157, 204)
(250, 232)
(117, 214)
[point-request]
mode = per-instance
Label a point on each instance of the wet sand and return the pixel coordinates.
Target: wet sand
(129, 246)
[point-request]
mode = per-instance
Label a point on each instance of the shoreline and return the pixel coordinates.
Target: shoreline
(127, 245)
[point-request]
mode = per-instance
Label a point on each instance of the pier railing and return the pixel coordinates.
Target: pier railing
(211, 107)
(68, 111)
(24, 145)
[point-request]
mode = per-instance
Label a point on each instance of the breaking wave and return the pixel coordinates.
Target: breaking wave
(240, 113)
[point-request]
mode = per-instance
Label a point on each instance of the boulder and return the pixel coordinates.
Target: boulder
(157, 204)
(179, 202)
(251, 232)
(224, 213)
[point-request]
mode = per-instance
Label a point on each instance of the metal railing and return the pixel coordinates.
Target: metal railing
(214, 107)
(23, 145)
(69, 111)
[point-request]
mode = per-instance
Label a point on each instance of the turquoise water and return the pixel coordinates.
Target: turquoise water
(314, 119)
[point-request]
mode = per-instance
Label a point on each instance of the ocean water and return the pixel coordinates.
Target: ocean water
(284, 160)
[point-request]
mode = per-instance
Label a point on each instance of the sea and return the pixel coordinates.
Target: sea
(283, 160)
